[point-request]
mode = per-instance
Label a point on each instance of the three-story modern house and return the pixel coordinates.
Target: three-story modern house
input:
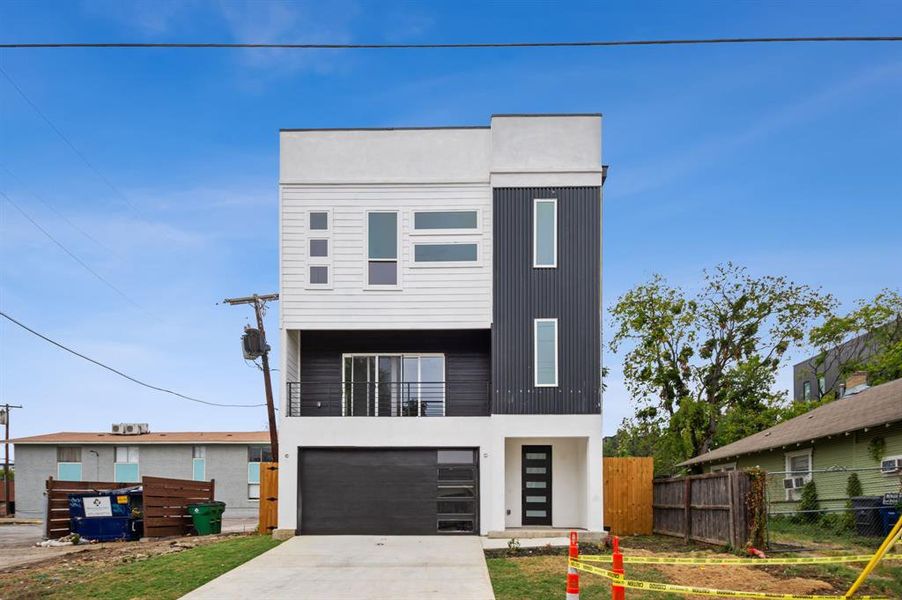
(440, 323)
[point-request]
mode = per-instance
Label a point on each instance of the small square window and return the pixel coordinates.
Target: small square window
(319, 275)
(383, 273)
(319, 248)
(319, 221)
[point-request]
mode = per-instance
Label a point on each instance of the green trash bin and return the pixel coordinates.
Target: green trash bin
(207, 517)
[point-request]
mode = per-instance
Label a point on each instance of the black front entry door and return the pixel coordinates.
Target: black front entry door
(536, 485)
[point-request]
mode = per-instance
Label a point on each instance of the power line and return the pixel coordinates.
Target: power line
(120, 373)
(69, 143)
(457, 45)
(71, 254)
(57, 212)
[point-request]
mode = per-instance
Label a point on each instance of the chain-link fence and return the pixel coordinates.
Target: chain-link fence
(831, 507)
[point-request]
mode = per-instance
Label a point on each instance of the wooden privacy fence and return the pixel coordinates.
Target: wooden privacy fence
(269, 497)
(715, 508)
(165, 503)
(628, 494)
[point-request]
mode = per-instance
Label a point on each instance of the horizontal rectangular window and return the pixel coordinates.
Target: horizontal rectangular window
(461, 457)
(545, 233)
(535, 484)
(445, 253)
(457, 492)
(457, 474)
(451, 219)
(319, 220)
(545, 342)
(126, 454)
(126, 472)
(537, 499)
(535, 455)
(467, 507)
(319, 275)
(536, 513)
(68, 454)
(535, 470)
(319, 248)
(449, 526)
(68, 471)
(259, 454)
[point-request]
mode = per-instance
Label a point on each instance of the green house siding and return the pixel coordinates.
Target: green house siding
(845, 453)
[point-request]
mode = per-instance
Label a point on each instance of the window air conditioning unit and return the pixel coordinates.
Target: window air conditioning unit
(891, 466)
(794, 483)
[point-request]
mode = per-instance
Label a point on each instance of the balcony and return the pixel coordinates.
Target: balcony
(388, 399)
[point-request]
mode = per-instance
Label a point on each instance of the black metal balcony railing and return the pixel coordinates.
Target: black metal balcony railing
(387, 399)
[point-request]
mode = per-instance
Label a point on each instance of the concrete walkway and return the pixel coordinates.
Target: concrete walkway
(360, 568)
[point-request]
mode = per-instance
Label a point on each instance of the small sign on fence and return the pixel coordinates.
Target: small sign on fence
(892, 498)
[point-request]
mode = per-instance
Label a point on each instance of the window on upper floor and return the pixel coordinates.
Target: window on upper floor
(319, 220)
(545, 352)
(68, 463)
(445, 221)
(382, 248)
(806, 390)
(821, 385)
(544, 234)
(125, 466)
(443, 254)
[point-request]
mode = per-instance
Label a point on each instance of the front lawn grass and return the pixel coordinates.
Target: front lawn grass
(162, 577)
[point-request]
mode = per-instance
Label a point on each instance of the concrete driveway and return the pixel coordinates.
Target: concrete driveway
(360, 568)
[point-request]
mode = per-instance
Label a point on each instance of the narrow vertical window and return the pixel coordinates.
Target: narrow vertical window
(544, 234)
(199, 463)
(545, 350)
(382, 248)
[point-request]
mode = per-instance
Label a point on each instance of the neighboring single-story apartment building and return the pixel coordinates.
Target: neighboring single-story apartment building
(231, 458)
(861, 432)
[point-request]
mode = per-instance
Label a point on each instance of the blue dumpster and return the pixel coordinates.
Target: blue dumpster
(106, 515)
(889, 516)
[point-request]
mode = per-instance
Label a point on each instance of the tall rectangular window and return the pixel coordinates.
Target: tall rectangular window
(125, 467)
(68, 463)
(544, 234)
(256, 455)
(199, 463)
(382, 248)
(545, 350)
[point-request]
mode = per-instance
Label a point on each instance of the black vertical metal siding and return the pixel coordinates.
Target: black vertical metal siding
(467, 365)
(571, 293)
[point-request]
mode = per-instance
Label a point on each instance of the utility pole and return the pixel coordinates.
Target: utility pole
(259, 303)
(4, 419)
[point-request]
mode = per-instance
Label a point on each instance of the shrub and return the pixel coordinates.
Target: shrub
(853, 488)
(809, 502)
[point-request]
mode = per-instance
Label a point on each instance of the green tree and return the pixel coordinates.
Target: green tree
(702, 367)
(868, 338)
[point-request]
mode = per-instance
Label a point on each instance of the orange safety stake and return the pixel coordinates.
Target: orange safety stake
(572, 574)
(618, 592)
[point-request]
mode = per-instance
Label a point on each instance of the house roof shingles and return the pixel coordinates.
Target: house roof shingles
(872, 407)
(169, 437)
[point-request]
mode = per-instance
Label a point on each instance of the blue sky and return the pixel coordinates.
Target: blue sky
(785, 159)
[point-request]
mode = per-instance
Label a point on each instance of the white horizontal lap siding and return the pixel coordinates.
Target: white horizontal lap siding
(452, 297)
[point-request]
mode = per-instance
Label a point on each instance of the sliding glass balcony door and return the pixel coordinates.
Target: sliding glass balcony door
(407, 385)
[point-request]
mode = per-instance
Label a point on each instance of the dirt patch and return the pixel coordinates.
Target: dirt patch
(103, 554)
(738, 577)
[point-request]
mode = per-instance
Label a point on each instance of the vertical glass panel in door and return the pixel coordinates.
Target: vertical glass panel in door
(410, 388)
(360, 400)
(389, 387)
(432, 386)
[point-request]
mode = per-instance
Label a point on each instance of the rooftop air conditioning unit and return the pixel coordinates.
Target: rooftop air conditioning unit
(794, 483)
(891, 466)
(130, 428)
(118, 428)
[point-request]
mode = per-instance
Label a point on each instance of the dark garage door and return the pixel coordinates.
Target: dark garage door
(388, 491)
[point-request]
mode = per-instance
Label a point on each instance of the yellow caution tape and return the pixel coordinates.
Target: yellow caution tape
(692, 560)
(697, 591)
